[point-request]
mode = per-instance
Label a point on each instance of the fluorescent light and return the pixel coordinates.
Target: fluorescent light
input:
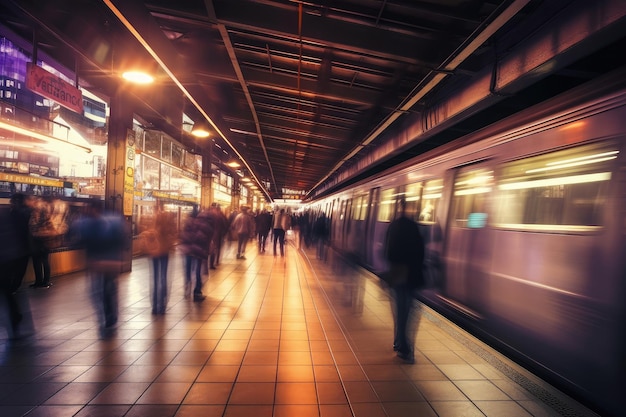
(138, 77)
(573, 179)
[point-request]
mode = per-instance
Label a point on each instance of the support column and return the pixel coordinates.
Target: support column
(120, 138)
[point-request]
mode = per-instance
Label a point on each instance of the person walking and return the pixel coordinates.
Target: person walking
(14, 255)
(220, 222)
(159, 240)
(281, 224)
(195, 241)
(404, 251)
(243, 226)
(263, 223)
(103, 235)
(40, 232)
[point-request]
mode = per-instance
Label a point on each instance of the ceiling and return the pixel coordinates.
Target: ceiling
(302, 92)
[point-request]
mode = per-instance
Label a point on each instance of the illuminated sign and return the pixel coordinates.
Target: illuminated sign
(129, 173)
(53, 87)
(26, 179)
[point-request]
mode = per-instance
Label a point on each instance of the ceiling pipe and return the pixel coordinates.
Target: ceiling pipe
(432, 79)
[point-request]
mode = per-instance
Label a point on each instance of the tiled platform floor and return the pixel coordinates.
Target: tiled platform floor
(277, 336)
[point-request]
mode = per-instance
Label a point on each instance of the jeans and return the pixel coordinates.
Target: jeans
(279, 236)
(191, 263)
(159, 278)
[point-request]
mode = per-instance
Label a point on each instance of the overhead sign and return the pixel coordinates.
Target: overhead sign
(51, 86)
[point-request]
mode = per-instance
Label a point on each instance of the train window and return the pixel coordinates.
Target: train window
(387, 205)
(563, 190)
(431, 195)
(360, 207)
(469, 204)
(412, 195)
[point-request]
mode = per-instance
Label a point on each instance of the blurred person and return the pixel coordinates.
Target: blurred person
(220, 222)
(281, 224)
(158, 241)
(195, 241)
(103, 237)
(243, 226)
(48, 226)
(14, 255)
(40, 232)
(404, 251)
(263, 223)
(320, 233)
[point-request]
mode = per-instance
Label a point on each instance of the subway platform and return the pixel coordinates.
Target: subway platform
(288, 336)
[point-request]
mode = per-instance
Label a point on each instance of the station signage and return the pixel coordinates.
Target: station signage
(53, 87)
(26, 179)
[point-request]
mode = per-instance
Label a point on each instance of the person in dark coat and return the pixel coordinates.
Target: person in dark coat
(195, 242)
(14, 255)
(263, 221)
(404, 251)
(220, 222)
(103, 236)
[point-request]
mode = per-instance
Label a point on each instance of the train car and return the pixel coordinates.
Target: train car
(524, 224)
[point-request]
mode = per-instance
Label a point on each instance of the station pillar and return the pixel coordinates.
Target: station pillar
(119, 183)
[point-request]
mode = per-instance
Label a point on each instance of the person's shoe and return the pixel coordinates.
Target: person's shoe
(242, 257)
(198, 296)
(396, 347)
(406, 356)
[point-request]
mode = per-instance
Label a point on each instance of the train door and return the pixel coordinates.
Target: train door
(429, 220)
(337, 226)
(368, 250)
(385, 213)
(467, 247)
(347, 222)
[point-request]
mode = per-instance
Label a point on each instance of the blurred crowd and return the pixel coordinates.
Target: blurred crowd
(33, 227)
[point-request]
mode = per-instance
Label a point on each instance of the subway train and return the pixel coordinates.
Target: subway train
(524, 224)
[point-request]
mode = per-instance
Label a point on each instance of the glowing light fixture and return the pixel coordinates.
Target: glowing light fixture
(233, 164)
(200, 130)
(138, 77)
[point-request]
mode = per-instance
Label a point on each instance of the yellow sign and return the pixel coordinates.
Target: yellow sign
(129, 173)
(26, 179)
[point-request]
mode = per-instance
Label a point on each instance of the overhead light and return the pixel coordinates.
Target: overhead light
(233, 164)
(200, 130)
(138, 77)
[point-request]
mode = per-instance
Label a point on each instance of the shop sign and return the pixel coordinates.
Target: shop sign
(53, 87)
(26, 179)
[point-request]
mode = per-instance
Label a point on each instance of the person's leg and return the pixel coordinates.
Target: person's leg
(163, 283)
(275, 236)
(110, 299)
(38, 268)
(155, 284)
(45, 262)
(244, 243)
(197, 292)
(281, 237)
(240, 241)
(188, 267)
(403, 304)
